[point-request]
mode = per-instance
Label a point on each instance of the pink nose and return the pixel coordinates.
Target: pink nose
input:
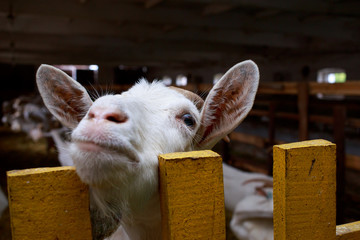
(115, 116)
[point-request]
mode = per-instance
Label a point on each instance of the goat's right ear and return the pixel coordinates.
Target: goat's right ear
(228, 103)
(65, 98)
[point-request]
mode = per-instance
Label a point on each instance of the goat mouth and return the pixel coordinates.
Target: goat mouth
(88, 146)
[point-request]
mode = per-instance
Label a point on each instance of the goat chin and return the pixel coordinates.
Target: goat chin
(100, 166)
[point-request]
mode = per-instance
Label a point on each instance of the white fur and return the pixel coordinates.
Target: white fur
(116, 144)
(128, 161)
(3, 202)
(62, 146)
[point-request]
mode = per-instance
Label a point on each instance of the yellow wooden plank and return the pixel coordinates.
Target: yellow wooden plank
(304, 190)
(349, 231)
(48, 203)
(192, 196)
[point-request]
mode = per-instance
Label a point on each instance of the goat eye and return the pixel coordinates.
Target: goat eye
(188, 120)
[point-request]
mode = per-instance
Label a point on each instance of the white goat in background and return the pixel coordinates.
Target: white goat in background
(3, 202)
(117, 138)
(29, 115)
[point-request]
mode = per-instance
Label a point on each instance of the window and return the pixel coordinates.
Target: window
(181, 80)
(331, 76)
(84, 74)
(166, 80)
(129, 74)
(217, 77)
(94, 67)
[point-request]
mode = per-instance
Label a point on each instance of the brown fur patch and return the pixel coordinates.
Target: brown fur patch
(196, 99)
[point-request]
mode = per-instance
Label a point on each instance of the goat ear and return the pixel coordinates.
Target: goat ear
(228, 103)
(65, 98)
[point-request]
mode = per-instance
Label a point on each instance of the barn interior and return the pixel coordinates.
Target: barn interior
(308, 53)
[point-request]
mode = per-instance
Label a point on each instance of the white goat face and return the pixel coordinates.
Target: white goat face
(118, 135)
(119, 132)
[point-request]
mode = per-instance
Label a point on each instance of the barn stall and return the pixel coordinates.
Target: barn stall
(307, 53)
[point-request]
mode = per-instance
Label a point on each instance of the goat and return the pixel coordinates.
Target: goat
(249, 197)
(29, 115)
(117, 138)
(62, 145)
(3, 202)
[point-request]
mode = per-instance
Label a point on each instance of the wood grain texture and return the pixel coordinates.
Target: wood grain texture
(349, 231)
(48, 203)
(303, 109)
(192, 196)
(349, 88)
(304, 190)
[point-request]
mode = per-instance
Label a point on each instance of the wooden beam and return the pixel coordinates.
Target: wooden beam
(321, 119)
(339, 115)
(352, 162)
(349, 88)
(48, 203)
(192, 196)
(304, 190)
(303, 110)
(353, 122)
(152, 3)
(349, 231)
(315, 7)
(217, 8)
(135, 31)
(115, 56)
(41, 42)
(118, 12)
(248, 139)
(278, 88)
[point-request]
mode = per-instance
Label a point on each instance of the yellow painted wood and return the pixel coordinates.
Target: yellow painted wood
(48, 203)
(304, 190)
(192, 196)
(350, 231)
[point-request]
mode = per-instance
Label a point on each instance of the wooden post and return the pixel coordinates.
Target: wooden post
(303, 108)
(272, 132)
(304, 190)
(339, 115)
(192, 196)
(48, 203)
(272, 122)
(226, 152)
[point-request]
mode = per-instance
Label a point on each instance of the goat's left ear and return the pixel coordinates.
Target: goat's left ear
(65, 98)
(228, 103)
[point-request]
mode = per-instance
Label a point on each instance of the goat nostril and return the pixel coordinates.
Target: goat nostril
(91, 115)
(116, 117)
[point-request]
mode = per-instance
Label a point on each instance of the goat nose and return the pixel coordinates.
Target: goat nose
(115, 116)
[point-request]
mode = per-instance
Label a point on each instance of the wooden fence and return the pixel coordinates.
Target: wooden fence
(52, 203)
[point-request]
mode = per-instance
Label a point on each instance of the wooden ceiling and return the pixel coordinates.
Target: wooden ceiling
(175, 32)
